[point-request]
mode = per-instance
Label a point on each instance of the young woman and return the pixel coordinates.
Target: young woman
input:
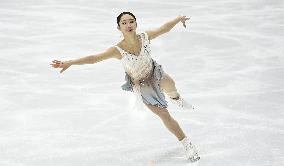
(144, 76)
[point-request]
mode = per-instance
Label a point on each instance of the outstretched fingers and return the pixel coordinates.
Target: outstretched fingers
(56, 63)
(184, 18)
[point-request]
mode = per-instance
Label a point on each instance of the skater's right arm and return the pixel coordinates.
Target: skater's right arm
(111, 52)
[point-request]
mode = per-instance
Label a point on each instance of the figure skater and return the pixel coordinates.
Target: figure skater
(143, 75)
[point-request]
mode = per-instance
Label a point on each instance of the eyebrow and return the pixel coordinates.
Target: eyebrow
(131, 19)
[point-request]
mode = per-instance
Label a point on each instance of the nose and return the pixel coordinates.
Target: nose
(129, 28)
(129, 25)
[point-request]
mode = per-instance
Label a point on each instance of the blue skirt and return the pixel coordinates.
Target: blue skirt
(148, 89)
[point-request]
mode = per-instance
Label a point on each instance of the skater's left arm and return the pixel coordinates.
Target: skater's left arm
(166, 27)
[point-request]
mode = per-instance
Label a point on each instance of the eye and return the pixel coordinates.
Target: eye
(131, 21)
(123, 23)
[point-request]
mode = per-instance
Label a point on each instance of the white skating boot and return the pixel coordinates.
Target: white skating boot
(191, 151)
(182, 103)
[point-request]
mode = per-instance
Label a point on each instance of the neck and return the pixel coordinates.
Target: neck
(130, 38)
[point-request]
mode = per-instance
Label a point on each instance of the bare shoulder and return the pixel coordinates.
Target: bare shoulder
(151, 34)
(114, 52)
(120, 44)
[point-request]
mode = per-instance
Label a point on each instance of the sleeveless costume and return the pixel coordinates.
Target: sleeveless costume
(146, 72)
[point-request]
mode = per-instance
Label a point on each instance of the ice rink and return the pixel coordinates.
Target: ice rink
(228, 62)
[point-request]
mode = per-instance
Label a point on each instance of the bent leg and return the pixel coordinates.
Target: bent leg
(167, 119)
(167, 85)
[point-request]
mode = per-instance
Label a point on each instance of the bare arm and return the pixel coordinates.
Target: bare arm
(166, 27)
(109, 53)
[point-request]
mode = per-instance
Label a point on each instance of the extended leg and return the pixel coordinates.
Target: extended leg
(169, 122)
(168, 86)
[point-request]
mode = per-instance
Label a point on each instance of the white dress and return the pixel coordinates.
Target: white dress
(143, 69)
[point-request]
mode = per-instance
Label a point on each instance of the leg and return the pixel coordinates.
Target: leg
(173, 126)
(169, 122)
(168, 86)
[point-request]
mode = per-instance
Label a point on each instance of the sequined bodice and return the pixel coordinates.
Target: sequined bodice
(138, 66)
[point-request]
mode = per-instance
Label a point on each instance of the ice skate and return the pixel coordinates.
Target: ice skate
(191, 151)
(180, 102)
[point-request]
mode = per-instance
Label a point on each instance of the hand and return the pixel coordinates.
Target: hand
(61, 64)
(183, 19)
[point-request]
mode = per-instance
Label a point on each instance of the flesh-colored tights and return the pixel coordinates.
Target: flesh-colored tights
(167, 85)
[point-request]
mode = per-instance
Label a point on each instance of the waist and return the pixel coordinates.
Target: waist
(139, 71)
(141, 76)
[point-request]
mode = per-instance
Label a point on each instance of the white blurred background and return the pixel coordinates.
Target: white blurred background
(228, 62)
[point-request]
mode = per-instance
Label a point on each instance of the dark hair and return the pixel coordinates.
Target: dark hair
(118, 18)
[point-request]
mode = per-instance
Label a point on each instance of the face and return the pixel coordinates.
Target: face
(127, 24)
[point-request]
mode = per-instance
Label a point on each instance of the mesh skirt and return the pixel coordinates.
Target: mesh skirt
(148, 90)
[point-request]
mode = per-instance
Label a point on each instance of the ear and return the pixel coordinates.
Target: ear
(118, 27)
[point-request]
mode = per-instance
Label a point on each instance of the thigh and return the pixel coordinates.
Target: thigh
(161, 112)
(167, 83)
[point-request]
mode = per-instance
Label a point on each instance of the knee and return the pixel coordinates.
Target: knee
(167, 82)
(168, 86)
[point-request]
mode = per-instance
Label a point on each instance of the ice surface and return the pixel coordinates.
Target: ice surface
(228, 62)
